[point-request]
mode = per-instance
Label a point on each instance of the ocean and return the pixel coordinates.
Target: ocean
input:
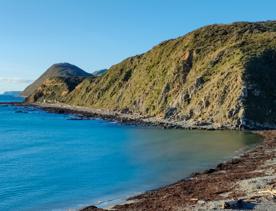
(50, 162)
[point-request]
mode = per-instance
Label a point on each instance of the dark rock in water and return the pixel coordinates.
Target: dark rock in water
(74, 118)
(79, 117)
(91, 208)
(20, 111)
(239, 204)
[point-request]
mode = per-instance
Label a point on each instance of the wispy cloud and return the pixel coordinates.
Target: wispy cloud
(15, 80)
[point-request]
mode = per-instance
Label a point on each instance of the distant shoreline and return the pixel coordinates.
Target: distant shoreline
(83, 113)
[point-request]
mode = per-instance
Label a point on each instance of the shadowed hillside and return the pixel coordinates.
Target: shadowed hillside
(64, 70)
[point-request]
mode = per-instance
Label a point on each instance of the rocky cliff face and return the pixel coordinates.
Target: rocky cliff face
(221, 75)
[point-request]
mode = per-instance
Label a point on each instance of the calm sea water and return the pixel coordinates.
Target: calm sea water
(48, 162)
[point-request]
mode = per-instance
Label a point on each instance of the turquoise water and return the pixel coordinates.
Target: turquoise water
(48, 162)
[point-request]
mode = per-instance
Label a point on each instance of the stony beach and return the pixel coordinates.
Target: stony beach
(81, 112)
(245, 182)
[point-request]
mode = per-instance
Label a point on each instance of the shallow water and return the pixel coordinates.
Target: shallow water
(48, 162)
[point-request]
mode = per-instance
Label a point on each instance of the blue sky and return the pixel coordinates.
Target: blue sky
(94, 34)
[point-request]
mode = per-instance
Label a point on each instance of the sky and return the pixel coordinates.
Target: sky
(95, 34)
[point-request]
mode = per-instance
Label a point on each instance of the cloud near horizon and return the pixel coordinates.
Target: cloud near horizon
(15, 80)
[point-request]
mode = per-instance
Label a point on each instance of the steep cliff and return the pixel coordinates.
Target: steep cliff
(221, 75)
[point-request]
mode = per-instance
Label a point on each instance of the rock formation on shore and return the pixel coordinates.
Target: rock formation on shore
(221, 75)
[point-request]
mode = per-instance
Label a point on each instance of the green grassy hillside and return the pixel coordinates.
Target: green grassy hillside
(64, 70)
(53, 89)
(219, 74)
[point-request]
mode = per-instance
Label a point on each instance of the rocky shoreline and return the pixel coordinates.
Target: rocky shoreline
(246, 182)
(84, 113)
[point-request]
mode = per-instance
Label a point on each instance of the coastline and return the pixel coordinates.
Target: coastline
(83, 113)
(251, 178)
(246, 182)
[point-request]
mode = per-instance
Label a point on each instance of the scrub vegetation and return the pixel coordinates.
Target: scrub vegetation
(219, 75)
